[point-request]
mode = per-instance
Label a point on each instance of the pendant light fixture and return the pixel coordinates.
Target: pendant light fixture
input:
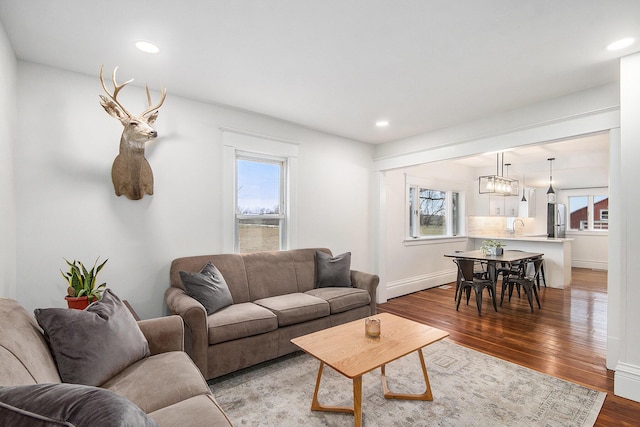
(499, 184)
(524, 199)
(551, 194)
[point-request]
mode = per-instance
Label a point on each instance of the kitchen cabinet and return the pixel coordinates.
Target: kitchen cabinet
(503, 206)
(490, 205)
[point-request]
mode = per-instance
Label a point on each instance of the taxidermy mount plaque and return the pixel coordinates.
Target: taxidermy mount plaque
(131, 173)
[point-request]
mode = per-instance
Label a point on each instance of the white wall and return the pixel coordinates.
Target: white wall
(623, 311)
(67, 208)
(411, 266)
(8, 66)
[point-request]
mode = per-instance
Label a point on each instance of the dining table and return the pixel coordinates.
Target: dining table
(508, 257)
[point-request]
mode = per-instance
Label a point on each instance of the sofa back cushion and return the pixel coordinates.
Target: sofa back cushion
(256, 275)
(24, 355)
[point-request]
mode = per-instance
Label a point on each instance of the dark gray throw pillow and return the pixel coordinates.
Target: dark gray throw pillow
(47, 405)
(208, 287)
(92, 345)
(333, 271)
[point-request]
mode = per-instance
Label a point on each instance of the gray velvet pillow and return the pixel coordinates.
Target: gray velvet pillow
(92, 345)
(333, 271)
(208, 287)
(40, 405)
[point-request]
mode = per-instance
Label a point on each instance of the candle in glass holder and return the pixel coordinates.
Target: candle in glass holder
(372, 327)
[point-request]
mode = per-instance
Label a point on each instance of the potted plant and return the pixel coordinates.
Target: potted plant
(492, 247)
(82, 289)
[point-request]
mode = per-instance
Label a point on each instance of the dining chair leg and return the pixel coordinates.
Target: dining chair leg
(479, 301)
(528, 291)
(459, 298)
(535, 292)
(492, 291)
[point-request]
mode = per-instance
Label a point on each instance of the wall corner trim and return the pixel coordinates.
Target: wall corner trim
(627, 381)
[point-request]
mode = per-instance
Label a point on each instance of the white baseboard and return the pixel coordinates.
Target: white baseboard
(596, 265)
(398, 288)
(627, 381)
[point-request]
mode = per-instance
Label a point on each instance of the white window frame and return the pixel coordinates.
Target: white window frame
(252, 145)
(588, 225)
(415, 184)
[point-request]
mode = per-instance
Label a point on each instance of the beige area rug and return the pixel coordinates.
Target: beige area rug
(469, 389)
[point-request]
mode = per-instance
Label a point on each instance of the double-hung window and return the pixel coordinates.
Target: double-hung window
(259, 192)
(260, 203)
(432, 212)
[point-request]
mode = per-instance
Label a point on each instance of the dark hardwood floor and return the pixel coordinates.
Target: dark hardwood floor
(567, 338)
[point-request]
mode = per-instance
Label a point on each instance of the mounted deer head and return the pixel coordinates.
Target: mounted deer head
(131, 173)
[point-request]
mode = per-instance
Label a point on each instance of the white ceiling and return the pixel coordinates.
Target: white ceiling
(579, 163)
(338, 65)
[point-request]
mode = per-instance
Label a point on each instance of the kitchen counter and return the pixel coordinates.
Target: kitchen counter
(557, 254)
(524, 237)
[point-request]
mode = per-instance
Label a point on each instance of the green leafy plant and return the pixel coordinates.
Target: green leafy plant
(82, 282)
(489, 246)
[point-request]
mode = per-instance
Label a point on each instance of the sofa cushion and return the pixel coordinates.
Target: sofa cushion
(208, 287)
(159, 381)
(77, 405)
(240, 321)
(25, 357)
(333, 271)
(295, 308)
(196, 411)
(342, 299)
(92, 345)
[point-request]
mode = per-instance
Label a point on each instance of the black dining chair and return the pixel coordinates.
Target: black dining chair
(528, 283)
(467, 281)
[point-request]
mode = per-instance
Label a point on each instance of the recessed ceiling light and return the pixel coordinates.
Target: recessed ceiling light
(621, 44)
(382, 123)
(147, 47)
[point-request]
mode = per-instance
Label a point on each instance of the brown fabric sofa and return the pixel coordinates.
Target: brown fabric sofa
(274, 300)
(167, 386)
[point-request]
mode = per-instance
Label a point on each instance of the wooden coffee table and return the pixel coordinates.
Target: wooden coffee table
(349, 351)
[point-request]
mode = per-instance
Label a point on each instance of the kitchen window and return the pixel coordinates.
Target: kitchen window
(589, 212)
(432, 212)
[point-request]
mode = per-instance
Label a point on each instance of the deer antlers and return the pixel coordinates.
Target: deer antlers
(113, 102)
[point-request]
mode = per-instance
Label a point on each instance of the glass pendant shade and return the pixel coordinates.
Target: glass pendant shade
(498, 184)
(550, 190)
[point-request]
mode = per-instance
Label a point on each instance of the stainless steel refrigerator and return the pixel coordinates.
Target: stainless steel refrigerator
(556, 220)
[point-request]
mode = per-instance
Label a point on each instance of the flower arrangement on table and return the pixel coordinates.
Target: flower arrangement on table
(492, 247)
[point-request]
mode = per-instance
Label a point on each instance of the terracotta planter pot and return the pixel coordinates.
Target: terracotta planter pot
(77, 303)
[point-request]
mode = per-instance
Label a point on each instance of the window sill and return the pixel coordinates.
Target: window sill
(434, 240)
(587, 233)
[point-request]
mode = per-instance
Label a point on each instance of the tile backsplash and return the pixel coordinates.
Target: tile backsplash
(494, 226)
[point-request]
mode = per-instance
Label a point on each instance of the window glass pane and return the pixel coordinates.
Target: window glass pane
(600, 212)
(259, 195)
(258, 234)
(432, 212)
(454, 214)
(258, 191)
(579, 212)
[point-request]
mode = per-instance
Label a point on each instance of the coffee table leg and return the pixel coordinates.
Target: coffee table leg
(316, 406)
(427, 395)
(357, 401)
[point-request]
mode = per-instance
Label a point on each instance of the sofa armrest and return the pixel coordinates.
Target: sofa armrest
(368, 282)
(163, 334)
(194, 316)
